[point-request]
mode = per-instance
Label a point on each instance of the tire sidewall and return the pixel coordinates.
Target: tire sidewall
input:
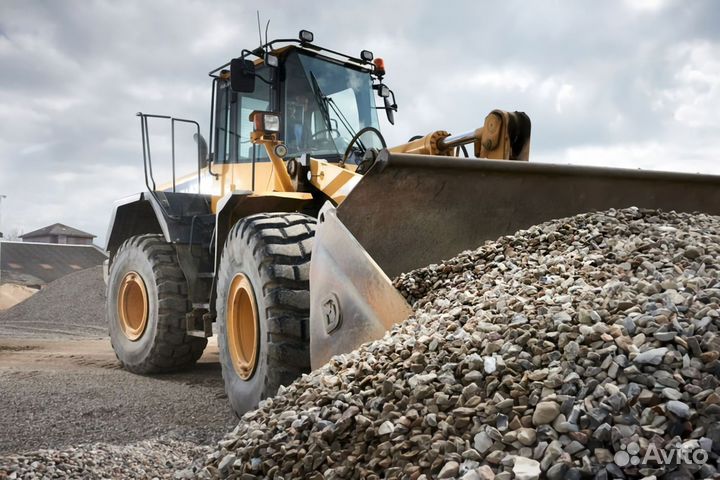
(132, 353)
(243, 395)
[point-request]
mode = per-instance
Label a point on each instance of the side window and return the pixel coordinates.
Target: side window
(234, 125)
(222, 122)
(249, 104)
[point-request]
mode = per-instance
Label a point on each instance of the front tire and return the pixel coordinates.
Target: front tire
(263, 306)
(146, 307)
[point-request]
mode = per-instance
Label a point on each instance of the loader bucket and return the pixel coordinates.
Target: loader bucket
(413, 210)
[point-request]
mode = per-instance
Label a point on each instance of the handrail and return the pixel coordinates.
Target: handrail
(147, 157)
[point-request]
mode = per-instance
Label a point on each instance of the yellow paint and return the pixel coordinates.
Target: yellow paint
(334, 181)
(283, 183)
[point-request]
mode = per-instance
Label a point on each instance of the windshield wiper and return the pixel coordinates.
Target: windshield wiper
(321, 100)
(324, 101)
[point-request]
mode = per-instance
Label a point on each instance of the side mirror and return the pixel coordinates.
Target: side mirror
(242, 75)
(389, 110)
(202, 150)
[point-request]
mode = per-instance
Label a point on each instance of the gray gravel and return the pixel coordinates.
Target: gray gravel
(71, 396)
(145, 459)
(71, 306)
(68, 410)
(557, 352)
(96, 401)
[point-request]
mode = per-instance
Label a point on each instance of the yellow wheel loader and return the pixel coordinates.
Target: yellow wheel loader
(298, 214)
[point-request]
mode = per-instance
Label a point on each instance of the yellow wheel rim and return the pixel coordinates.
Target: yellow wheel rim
(242, 326)
(133, 306)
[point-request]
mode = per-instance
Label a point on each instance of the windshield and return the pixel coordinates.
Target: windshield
(326, 105)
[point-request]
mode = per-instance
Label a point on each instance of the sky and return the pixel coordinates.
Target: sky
(632, 83)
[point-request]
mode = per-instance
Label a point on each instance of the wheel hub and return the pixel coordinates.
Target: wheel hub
(133, 306)
(242, 326)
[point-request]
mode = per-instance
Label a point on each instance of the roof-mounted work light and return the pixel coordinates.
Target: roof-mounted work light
(306, 36)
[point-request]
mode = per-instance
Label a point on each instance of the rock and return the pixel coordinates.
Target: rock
(665, 336)
(449, 470)
(226, 463)
(557, 471)
(484, 472)
(671, 394)
(526, 469)
(526, 436)
(386, 428)
(545, 412)
(490, 365)
(482, 442)
(679, 409)
(654, 356)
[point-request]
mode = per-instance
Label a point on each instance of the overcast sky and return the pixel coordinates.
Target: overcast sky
(616, 83)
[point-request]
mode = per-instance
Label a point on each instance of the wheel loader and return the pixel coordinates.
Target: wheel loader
(285, 236)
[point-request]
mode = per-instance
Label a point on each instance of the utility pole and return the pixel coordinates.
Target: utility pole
(1, 235)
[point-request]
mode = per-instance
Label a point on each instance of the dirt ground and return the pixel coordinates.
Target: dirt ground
(67, 391)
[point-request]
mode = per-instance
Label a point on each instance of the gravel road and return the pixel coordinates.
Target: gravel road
(58, 393)
(69, 410)
(70, 395)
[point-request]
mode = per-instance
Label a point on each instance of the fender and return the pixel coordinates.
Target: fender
(182, 218)
(236, 205)
(187, 221)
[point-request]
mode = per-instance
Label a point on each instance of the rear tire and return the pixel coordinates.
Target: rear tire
(146, 307)
(265, 269)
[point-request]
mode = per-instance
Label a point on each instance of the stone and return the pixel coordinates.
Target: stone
(449, 470)
(489, 365)
(679, 409)
(482, 442)
(226, 462)
(671, 394)
(484, 472)
(557, 472)
(545, 412)
(654, 356)
(386, 428)
(526, 436)
(526, 469)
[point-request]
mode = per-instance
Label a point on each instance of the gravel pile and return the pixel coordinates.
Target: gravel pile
(146, 459)
(73, 305)
(571, 350)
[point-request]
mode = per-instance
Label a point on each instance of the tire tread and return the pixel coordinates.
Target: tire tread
(172, 349)
(282, 246)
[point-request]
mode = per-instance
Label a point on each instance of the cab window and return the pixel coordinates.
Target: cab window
(234, 125)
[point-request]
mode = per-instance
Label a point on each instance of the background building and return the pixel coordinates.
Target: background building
(59, 233)
(47, 254)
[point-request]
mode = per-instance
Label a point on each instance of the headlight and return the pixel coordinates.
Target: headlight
(265, 121)
(272, 122)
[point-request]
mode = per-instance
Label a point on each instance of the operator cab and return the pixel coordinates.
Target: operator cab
(323, 98)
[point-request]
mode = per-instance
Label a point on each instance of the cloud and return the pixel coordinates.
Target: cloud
(621, 83)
